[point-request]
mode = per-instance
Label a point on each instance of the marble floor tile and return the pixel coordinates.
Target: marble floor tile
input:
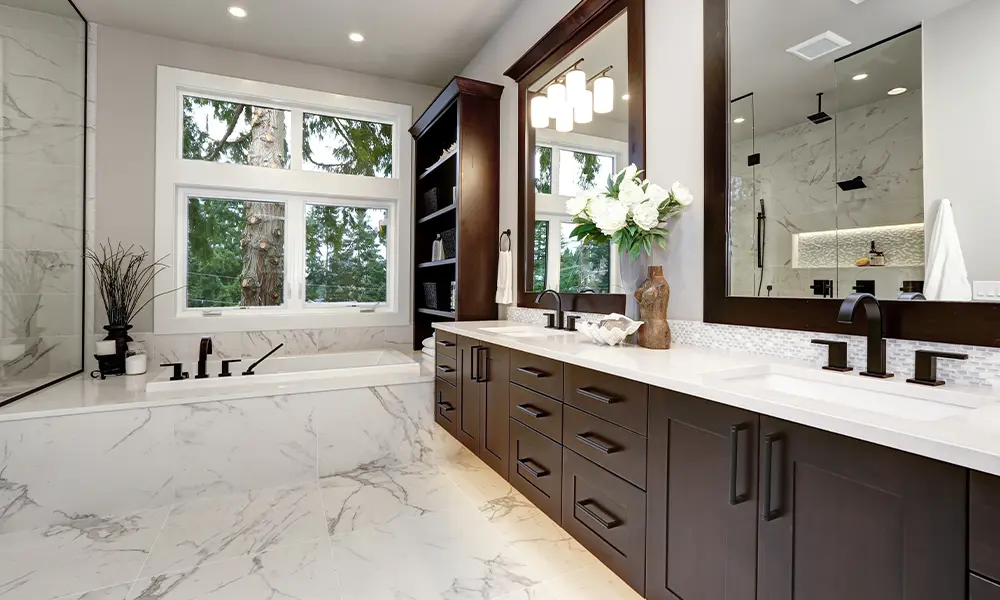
(200, 532)
(477, 480)
(446, 556)
(89, 554)
(116, 592)
(592, 583)
(298, 572)
(354, 501)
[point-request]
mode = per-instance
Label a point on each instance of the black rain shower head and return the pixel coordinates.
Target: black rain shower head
(820, 116)
(852, 184)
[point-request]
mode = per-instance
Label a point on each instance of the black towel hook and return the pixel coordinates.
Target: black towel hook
(505, 232)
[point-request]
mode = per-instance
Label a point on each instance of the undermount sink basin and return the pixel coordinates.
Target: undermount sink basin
(890, 397)
(526, 331)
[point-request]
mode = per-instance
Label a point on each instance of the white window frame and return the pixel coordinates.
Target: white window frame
(178, 178)
(552, 207)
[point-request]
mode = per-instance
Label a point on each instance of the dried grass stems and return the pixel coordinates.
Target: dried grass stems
(123, 275)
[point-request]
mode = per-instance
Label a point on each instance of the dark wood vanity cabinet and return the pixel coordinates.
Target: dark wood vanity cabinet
(469, 391)
(482, 422)
(841, 518)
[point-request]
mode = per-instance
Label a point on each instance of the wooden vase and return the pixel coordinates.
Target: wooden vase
(653, 298)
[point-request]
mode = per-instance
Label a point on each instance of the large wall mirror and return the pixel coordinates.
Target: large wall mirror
(861, 141)
(581, 115)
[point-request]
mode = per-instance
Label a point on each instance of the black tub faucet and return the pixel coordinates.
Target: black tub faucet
(204, 349)
(558, 324)
(876, 343)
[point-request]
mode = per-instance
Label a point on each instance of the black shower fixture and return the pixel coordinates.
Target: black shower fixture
(852, 184)
(820, 116)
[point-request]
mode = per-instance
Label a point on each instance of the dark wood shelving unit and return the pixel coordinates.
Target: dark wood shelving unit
(466, 112)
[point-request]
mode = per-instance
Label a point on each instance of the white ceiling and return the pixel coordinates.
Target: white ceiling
(60, 8)
(785, 86)
(424, 41)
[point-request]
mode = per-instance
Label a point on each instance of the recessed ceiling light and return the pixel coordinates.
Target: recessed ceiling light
(738, 120)
(238, 11)
(897, 91)
(356, 37)
(860, 76)
(626, 97)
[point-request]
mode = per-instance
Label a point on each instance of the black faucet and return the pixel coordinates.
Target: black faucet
(204, 349)
(876, 343)
(559, 312)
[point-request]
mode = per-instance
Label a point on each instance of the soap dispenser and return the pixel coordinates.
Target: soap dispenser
(876, 258)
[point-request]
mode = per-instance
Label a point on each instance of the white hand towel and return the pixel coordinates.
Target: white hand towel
(946, 276)
(429, 343)
(505, 278)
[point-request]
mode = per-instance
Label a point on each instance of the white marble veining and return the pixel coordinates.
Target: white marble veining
(970, 439)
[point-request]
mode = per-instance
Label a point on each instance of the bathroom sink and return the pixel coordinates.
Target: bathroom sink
(526, 331)
(889, 397)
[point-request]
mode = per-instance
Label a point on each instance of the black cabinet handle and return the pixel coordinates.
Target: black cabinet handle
(536, 373)
(474, 363)
(734, 464)
(482, 364)
(589, 393)
(445, 369)
(587, 438)
(531, 410)
(594, 513)
(526, 464)
(768, 513)
(445, 406)
(446, 344)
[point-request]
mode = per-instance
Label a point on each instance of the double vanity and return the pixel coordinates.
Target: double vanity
(696, 474)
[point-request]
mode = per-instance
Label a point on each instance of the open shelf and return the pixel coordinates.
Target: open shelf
(444, 159)
(437, 263)
(439, 212)
(447, 314)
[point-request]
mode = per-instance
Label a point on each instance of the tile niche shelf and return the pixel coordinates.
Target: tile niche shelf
(457, 154)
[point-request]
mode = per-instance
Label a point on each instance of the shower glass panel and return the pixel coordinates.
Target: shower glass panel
(745, 252)
(42, 71)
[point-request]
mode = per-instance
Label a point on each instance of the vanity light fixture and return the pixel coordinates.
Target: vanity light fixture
(557, 98)
(238, 11)
(625, 97)
(356, 37)
(564, 118)
(576, 85)
(540, 112)
(604, 93)
(583, 111)
(897, 91)
(738, 120)
(860, 76)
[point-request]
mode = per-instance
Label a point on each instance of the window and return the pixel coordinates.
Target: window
(583, 267)
(278, 207)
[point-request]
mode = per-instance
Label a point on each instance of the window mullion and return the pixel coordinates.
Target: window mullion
(297, 134)
(295, 253)
(556, 168)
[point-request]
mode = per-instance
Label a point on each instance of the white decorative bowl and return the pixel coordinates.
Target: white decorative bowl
(612, 331)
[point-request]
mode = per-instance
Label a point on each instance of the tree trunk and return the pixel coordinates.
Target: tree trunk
(263, 241)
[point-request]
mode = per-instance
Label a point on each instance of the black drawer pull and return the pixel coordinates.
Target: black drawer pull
(446, 344)
(531, 410)
(446, 407)
(734, 464)
(536, 373)
(594, 513)
(589, 393)
(588, 438)
(768, 513)
(526, 463)
(445, 369)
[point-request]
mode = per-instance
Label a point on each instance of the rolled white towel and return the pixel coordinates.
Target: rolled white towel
(429, 352)
(429, 343)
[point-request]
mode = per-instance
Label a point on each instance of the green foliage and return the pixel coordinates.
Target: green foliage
(359, 147)
(584, 266)
(590, 165)
(543, 178)
(541, 267)
(215, 258)
(345, 254)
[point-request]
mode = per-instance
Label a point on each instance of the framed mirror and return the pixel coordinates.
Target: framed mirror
(848, 149)
(581, 119)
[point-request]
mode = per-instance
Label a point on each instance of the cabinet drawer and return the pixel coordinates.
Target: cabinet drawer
(607, 515)
(982, 589)
(984, 523)
(541, 413)
(445, 343)
(445, 405)
(618, 450)
(621, 401)
(537, 373)
(536, 468)
(446, 368)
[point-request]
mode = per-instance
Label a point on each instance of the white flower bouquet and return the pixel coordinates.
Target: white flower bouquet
(631, 213)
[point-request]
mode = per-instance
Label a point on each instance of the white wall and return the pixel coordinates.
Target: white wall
(674, 124)
(961, 129)
(126, 109)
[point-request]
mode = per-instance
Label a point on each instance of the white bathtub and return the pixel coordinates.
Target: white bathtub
(295, 374)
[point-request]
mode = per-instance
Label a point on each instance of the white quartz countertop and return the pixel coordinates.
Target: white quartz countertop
(970, 438)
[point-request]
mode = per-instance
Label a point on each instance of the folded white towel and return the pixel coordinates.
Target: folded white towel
(429, 352)
(946, 275)
(505, 278)
(429, 343)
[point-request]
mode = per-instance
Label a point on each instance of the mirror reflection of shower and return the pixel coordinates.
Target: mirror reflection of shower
(749, 235)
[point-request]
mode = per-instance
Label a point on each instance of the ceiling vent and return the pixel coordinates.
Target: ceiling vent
(857, 1)
(821, 45)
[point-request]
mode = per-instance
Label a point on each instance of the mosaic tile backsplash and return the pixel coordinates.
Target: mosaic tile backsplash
(982, 368)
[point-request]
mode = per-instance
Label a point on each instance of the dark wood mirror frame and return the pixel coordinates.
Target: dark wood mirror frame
(583, 22)
(976, 323)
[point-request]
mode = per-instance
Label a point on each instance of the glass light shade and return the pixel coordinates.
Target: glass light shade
(583, 112)
(557, 97)
(604, 95)
(564, 118)
(539, 112)
(576, 85)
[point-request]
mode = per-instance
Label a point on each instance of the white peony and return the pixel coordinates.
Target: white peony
(656, 193)
(646, 215)
(630, 172)
(609, 215)
(682, 194)
(630, 193)
(577, 206)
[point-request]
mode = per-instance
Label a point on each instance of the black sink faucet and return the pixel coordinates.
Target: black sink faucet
(559, 312)
(204, 349)
(876, 343)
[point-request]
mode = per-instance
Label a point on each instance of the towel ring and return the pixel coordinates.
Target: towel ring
(506, 232)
